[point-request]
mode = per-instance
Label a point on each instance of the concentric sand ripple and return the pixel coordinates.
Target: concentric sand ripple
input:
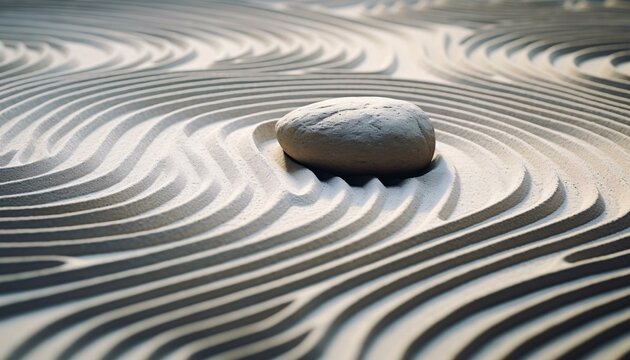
(147, 210)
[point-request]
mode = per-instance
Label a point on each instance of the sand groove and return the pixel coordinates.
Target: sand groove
(147, 211)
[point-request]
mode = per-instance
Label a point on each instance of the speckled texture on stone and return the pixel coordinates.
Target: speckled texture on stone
(359, 135)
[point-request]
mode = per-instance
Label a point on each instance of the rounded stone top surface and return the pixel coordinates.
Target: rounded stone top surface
(359, 135)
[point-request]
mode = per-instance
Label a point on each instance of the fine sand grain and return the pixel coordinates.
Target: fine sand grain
(147, 210)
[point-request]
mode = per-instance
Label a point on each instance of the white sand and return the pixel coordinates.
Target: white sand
(147, 210)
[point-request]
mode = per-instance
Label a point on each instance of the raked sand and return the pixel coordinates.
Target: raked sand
(147, 210)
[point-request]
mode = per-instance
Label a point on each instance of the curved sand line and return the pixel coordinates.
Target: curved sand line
(146, 209)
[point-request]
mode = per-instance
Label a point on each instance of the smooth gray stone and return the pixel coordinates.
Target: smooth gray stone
(359, 135)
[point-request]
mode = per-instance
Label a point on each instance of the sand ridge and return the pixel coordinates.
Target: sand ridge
(147, 210)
